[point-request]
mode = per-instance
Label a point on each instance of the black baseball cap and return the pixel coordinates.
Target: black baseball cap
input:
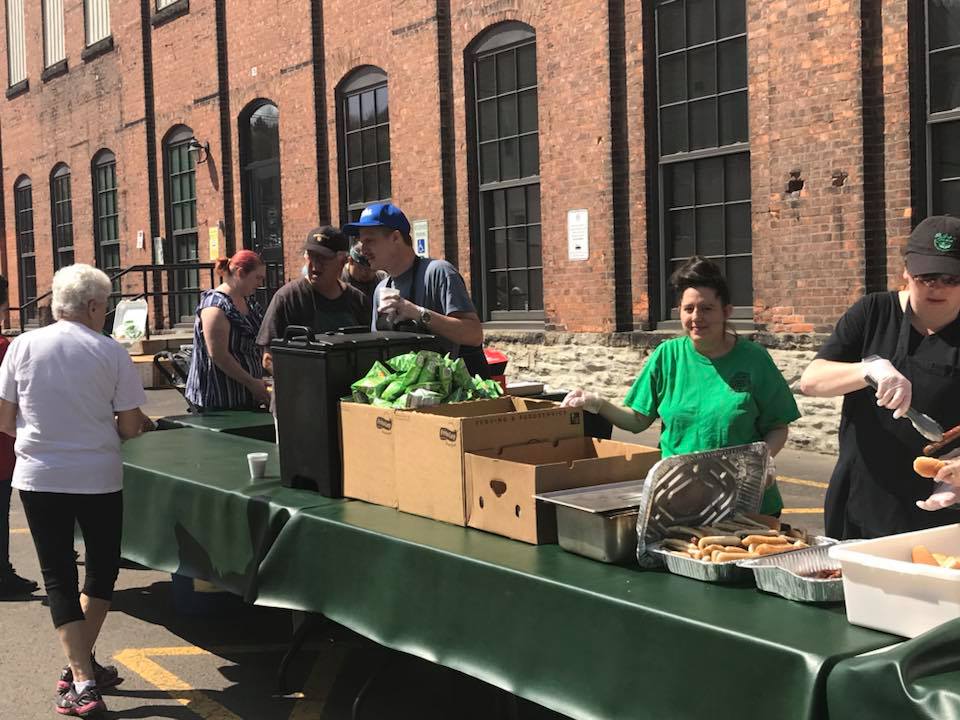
(326, 240)
(934, 247)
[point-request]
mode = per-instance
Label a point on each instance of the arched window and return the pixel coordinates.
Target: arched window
(61, 216)
(180, 183)
(262, 200)
(26, 252)
(106, 215)
(363, 140)
(502, 78)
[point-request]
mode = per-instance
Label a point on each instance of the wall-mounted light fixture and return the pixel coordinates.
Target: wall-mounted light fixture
(202, 151)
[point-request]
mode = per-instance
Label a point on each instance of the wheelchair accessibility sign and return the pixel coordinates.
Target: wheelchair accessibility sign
(421, 241)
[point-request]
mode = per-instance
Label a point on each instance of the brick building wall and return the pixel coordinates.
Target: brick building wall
(830, 95)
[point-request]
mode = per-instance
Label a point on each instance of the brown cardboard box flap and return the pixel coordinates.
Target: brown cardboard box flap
(430, 445)
(367, 440)
(501, 483)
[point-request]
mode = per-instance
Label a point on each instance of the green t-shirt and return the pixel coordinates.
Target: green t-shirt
(707, 404)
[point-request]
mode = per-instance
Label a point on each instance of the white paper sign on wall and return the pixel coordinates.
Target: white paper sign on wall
(578, 234)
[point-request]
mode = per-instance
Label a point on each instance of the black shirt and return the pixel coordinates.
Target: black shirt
(873, 488)
(298, 303)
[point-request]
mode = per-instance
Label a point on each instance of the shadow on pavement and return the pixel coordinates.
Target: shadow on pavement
(397, 686)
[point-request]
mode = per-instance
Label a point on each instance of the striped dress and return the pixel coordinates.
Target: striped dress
(208, 387)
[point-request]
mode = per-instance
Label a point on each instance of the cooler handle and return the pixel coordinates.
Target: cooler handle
(296, 331)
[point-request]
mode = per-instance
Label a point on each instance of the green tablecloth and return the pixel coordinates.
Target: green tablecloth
(191, 508)
(585, 639)
(246, 423)
(918, 679)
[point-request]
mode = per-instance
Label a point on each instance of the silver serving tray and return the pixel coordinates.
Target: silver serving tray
(737, 570)
(726, 572)
(598, 522)
(783, 574)
(598, 498)
(698, 489)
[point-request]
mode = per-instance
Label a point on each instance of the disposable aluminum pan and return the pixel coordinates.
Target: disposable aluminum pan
(598, 522)
(725, 572)
(698, 489)
(783, 574)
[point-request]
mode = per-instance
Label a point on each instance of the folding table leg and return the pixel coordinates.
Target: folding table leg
(361, 694)
(303, 625)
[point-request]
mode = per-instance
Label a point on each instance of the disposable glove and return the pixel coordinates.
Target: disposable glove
(894, 391)
(591, 402)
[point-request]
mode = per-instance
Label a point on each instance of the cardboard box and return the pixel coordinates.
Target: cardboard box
(430, 444)
(501, 483)
(421, 450)
(367, 441)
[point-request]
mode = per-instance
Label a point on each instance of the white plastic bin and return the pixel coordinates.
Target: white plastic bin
(886, 591)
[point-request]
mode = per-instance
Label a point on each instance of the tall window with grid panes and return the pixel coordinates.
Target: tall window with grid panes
(61, 216)
(106, 217)
(704, 154)
(363, 119)
(180, 173)
(503, 82)
(26, 251)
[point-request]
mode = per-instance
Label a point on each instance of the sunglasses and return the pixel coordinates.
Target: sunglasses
(933, 279)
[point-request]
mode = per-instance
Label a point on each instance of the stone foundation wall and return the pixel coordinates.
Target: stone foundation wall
(609, 363)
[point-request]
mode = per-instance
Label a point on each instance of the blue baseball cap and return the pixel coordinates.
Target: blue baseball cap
(383, 215)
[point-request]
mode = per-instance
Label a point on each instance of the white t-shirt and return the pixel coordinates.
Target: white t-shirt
(67, 382)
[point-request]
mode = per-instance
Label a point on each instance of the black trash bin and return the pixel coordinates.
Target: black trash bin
(312, 372)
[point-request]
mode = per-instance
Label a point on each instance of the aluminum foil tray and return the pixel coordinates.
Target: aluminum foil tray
(727, 572)
(699, 489)
(783, 574)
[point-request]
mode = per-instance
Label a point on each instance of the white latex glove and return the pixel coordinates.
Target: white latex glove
(947, 491)
(591, 402)
(944, 495)
(894, 391)
(771, 474)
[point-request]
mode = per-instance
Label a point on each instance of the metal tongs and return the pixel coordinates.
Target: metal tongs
(923, 424)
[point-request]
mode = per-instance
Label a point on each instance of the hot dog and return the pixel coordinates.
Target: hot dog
(772, 549)
(730, 556)
(718, 540)
(948, 437)
(764, 540)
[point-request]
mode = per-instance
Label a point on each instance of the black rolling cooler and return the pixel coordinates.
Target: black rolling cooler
(311, 373)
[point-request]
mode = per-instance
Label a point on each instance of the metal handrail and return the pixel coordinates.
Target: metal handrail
(144, 269)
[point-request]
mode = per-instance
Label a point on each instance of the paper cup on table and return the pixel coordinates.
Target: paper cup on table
(257, 461)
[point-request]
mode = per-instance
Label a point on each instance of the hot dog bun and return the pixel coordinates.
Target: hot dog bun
(927, 467)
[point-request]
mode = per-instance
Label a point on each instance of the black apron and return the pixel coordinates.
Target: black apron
(472, 355)
(874, 489)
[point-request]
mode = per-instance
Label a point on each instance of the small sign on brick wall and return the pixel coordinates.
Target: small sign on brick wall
(578, 234)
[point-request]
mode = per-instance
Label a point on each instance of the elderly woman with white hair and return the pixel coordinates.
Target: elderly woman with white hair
(69, 395)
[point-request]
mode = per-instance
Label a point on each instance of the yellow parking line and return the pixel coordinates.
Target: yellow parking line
(313, 698)
(162, 679)
(803, 511)
(20, 531)
(798, 481)
(319, 684)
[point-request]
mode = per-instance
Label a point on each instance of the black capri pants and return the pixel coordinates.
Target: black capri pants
(51, 517)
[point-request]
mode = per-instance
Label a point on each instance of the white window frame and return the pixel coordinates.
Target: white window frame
(96, 20)
(16, 43)
(54, 42)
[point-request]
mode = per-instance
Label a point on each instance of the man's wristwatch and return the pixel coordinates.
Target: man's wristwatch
(425, 317)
